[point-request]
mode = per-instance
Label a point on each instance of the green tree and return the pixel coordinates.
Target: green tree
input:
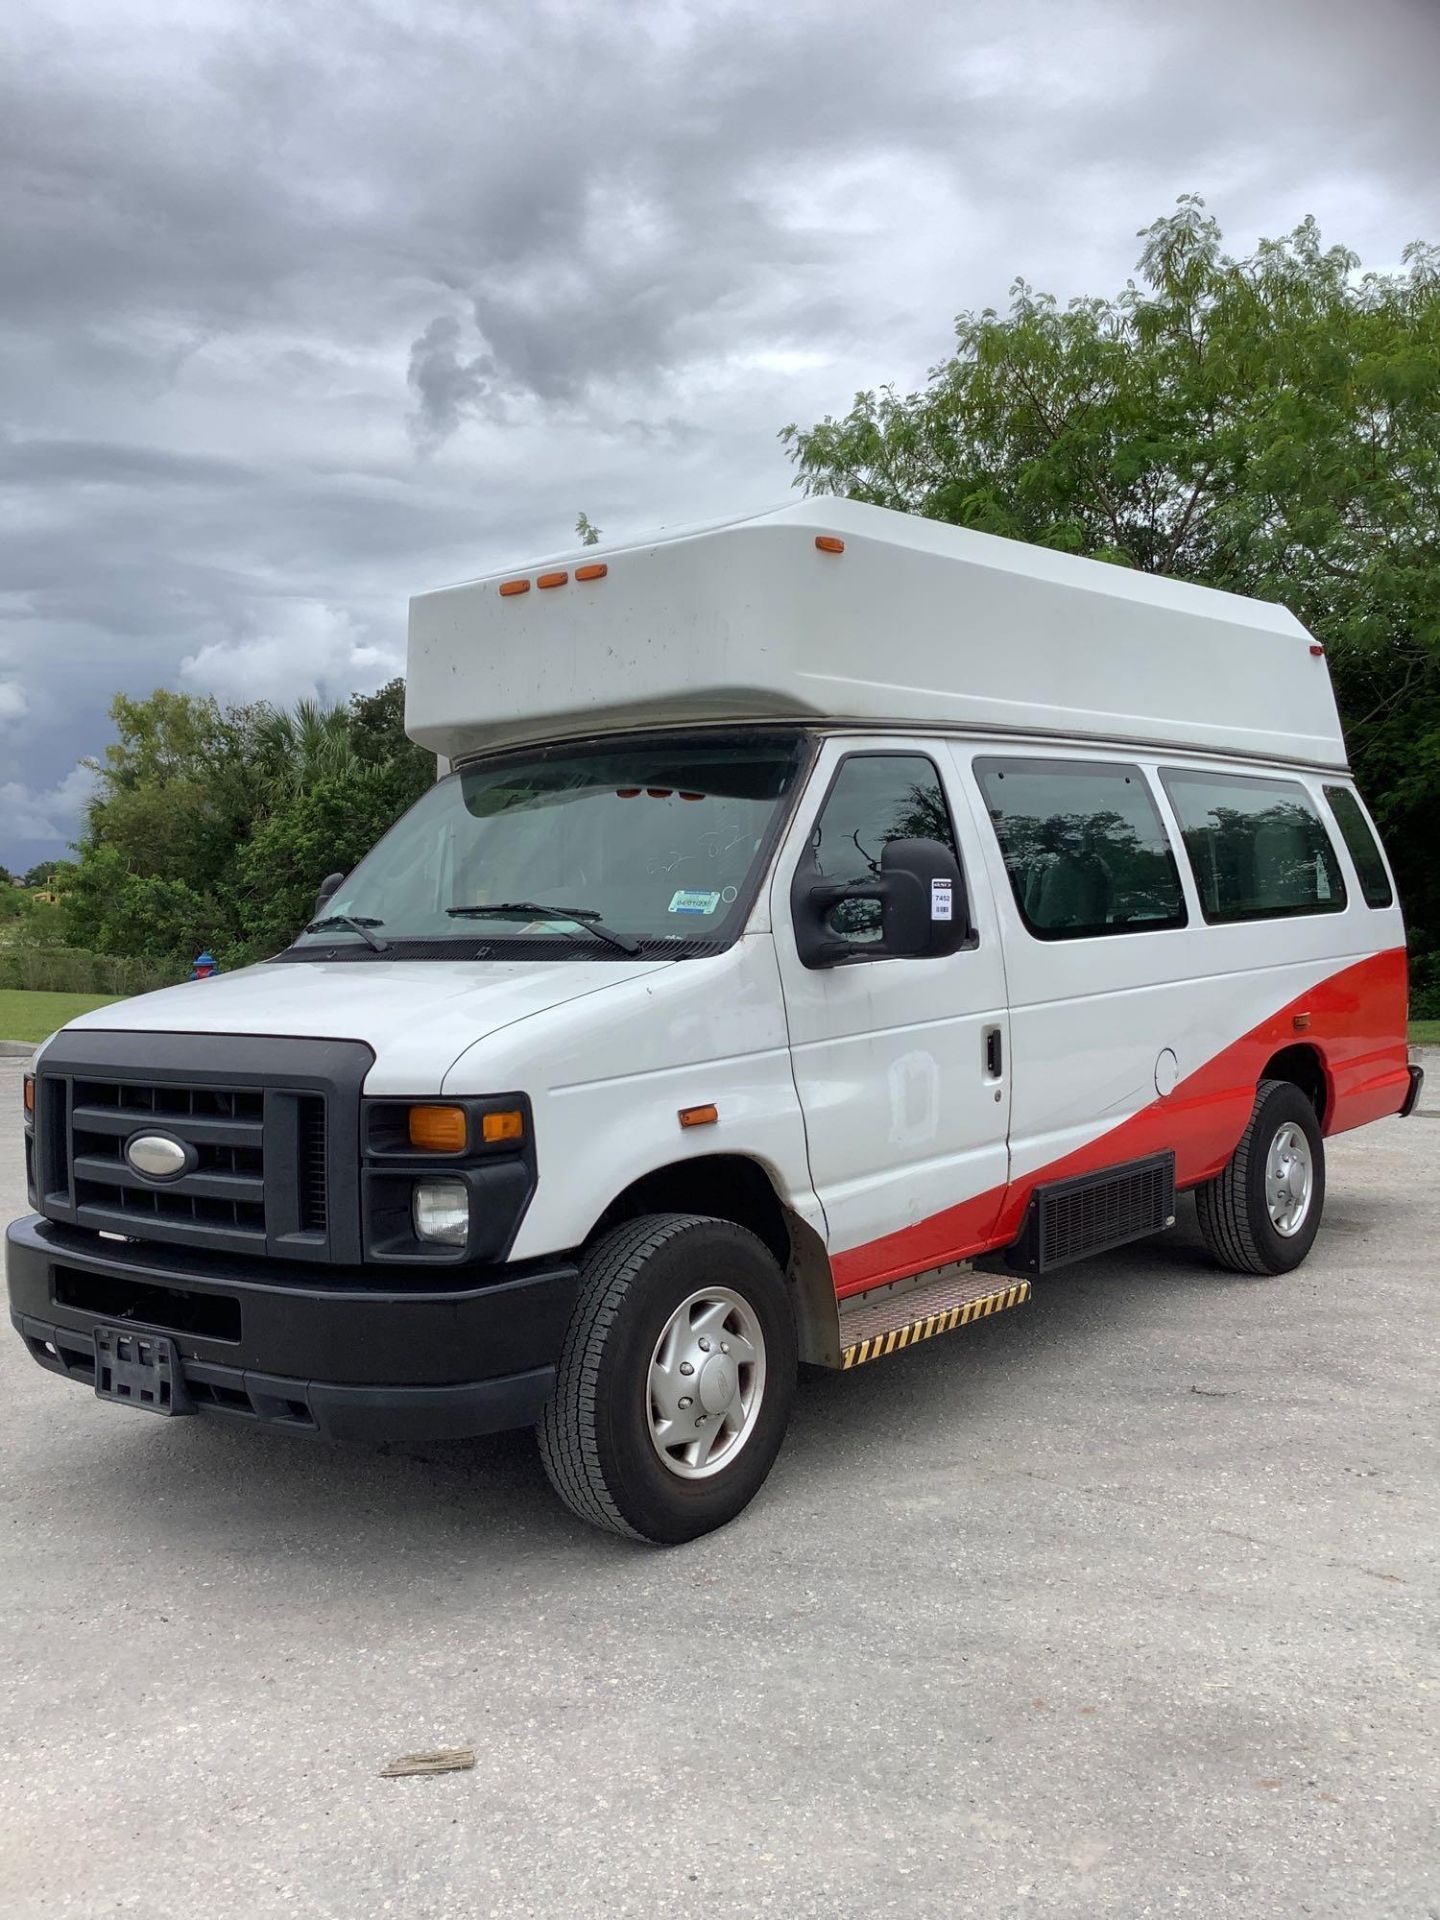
(1269, 425)
(213, 826)
(330, 822)
(589, 533)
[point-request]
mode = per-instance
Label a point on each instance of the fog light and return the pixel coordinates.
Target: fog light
(441, 1211)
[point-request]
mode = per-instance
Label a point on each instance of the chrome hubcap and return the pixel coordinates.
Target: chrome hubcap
(1289, 1180)
(707, 1379)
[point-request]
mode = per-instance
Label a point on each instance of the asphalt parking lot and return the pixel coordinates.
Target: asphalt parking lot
(1121, 1604)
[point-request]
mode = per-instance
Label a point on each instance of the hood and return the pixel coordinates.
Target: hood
(417, 1016)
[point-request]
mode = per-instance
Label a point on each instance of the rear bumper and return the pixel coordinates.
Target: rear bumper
(354, 1354)
(1412, 1098)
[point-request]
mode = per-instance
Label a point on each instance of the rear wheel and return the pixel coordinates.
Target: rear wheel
(1262, 1213)
(676, 1380)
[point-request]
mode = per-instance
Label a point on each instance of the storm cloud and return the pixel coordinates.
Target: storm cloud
(308, 307)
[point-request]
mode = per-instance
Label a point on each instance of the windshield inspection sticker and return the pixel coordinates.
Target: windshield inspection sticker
(942, 900)
(688, 901)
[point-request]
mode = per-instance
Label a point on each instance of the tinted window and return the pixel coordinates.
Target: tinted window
(876, 797)
(1374, 881)
(1084, 847)
(658, 837)
(1257, 847)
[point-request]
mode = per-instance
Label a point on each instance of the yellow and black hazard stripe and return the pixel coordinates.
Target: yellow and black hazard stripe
(944, 1321)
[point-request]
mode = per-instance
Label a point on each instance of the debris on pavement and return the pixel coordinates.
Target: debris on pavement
(443, 1760)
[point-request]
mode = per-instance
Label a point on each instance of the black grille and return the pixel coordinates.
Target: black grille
(224, 1127)
(1071, 1219)
(270, 1128)
(117, 1297)
(314, 1204)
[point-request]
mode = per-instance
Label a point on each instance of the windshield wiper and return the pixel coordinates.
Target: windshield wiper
(357, 923)
(585, 917)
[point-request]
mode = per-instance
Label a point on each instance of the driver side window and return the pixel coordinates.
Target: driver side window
(875, 797)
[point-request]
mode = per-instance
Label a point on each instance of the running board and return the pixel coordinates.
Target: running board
(886, 1321)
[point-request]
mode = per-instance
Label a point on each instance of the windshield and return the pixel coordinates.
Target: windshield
(653, 840)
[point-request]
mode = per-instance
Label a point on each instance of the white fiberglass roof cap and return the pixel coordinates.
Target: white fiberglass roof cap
(915, 623)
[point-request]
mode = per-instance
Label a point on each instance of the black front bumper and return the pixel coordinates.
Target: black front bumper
(352, 1353)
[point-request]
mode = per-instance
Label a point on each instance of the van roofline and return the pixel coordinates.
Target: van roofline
(910, 729)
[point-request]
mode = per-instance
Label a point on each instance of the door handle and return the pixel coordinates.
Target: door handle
(994, 1055)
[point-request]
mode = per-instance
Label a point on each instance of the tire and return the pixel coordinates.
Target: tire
(650, 1295)
(1235, 1209)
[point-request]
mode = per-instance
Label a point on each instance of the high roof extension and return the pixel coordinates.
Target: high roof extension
(832, 611)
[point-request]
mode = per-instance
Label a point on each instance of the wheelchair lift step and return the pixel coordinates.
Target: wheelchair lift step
(889, 1318)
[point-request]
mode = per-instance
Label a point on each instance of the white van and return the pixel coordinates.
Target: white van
(828, 923)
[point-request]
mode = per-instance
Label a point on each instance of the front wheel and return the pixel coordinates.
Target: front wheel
(1262, 1213)
(676, 1381)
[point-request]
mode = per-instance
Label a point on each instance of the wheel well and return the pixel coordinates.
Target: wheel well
(1304, 1068)
(726, 1186)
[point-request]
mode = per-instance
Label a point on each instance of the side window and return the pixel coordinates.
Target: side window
(876, 797)
(1355, 828)
(1084, 846)
(1258, 847)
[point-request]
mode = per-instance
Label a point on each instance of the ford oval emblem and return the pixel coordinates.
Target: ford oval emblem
(158, 1156)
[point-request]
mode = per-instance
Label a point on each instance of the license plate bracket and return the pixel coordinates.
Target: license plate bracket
(139, 1370)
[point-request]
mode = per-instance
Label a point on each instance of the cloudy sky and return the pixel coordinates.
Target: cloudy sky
(304, 307)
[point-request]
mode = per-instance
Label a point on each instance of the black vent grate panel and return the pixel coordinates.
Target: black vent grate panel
(1072, 1219)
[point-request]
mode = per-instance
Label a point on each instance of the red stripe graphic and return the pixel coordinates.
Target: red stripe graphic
(1357, 1028)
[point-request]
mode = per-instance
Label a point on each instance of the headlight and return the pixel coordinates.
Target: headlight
(441, 1211)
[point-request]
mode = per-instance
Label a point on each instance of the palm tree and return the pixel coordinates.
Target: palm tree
(297, 747)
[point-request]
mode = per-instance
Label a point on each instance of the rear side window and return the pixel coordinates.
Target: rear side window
(1374, 881)
(1084, 846)
(1258, 848)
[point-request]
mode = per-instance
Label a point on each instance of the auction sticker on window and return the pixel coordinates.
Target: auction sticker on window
(688, 901)
(942, 900)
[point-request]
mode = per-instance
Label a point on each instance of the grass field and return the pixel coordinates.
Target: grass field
(35, 1016)
(1425, 1033)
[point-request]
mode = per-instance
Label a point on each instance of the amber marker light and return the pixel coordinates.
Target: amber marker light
(508, 587)
(27, 1096)
(438, 1129)
(827, 543)
(496, 1128)
(699, 1116)
(551, 579)
(596, 570)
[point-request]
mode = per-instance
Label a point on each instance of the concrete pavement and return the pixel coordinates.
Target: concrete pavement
(1121, 1604)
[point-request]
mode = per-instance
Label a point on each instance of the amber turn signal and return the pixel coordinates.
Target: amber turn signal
(438, 1129)
(497, 1127)
(28, 1095)
(699, 1116)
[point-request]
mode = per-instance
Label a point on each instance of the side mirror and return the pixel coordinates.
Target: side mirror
(924, 908)
(329, 887)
